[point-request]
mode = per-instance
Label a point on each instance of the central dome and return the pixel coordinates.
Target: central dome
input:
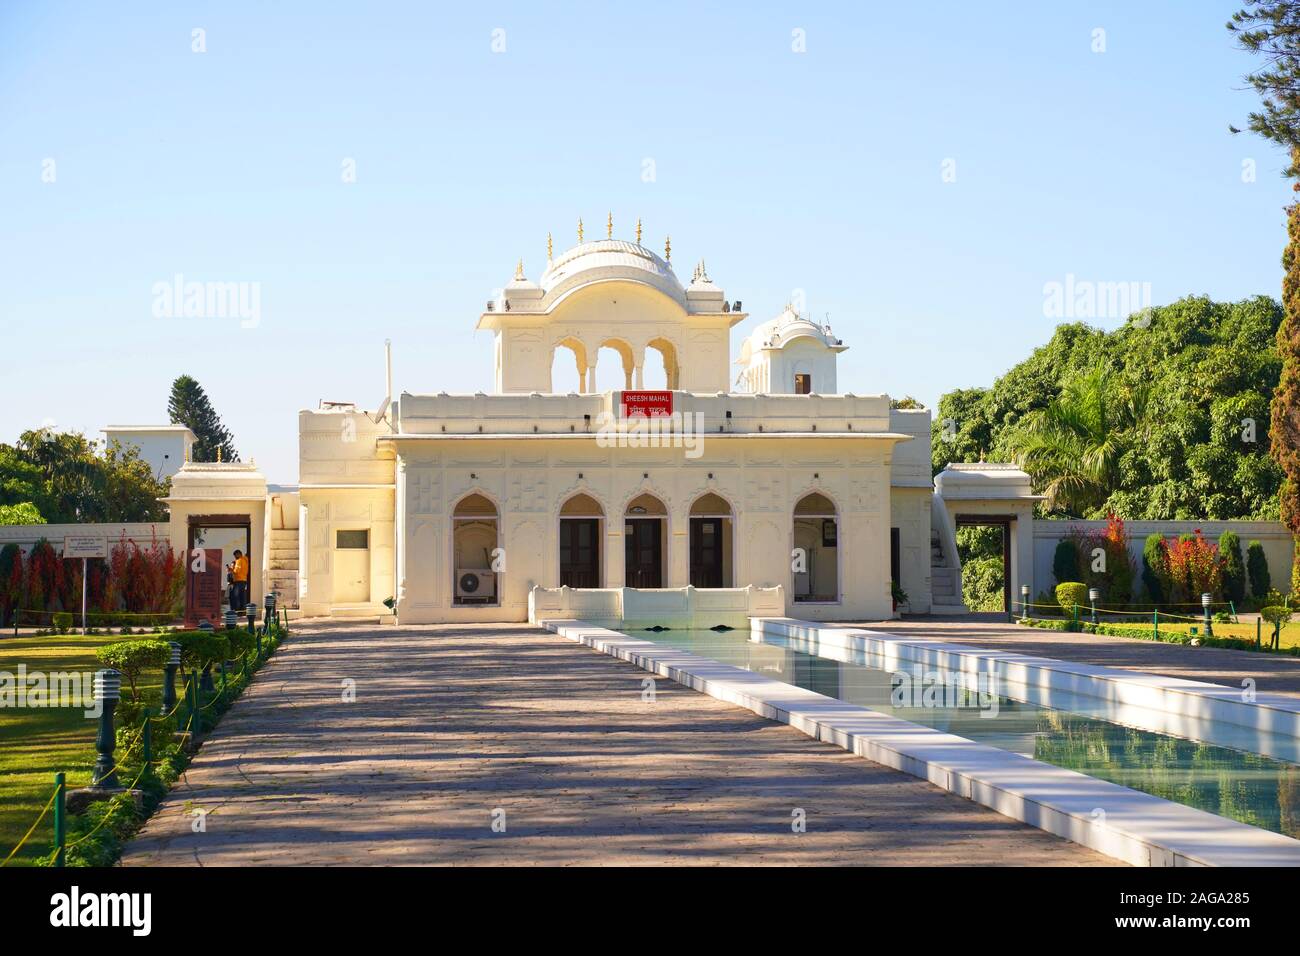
(609, 259)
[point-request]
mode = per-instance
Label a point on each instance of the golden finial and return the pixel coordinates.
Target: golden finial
(638, 231)
(549, 257)
(609, 225)
(579, 229)
(218, 454)
(519, 271)
(668, 249)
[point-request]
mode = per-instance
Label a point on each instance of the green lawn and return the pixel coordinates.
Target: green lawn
(37, 742)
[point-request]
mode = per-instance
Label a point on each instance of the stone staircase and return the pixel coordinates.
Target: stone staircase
(282, 574)
(944, 598)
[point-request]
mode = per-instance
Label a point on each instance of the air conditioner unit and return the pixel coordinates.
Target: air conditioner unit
(476, 584)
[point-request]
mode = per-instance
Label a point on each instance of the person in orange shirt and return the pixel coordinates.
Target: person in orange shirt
(238, 581)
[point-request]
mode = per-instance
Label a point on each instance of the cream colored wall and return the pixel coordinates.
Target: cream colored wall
(346, 483)
(529, 479)
(801, 355)
(325, 512)
(910, 511)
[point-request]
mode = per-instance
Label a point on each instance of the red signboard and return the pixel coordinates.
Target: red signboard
(203, 586)
(647, 404)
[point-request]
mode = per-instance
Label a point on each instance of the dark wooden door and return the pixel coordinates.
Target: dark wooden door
(580, 552)
(644, 554)
(706, 552)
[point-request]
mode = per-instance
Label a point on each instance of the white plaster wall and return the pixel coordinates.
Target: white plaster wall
(163, 450)
(802, 355)
(910, 514)
(530, 479)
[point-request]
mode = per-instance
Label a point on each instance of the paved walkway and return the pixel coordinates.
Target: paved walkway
(1274, 673)
(453, 722)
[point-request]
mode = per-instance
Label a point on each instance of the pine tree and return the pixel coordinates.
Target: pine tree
(189, 406)
(1271, 29)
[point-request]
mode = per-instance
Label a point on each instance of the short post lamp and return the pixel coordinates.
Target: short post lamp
(268, 612)
(108, 691)
(169, 677)
(1094, 595)
(231, 619)
(1024, 602)
(251, 611)
(1206, 598)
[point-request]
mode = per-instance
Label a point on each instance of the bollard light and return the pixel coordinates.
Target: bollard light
(1024, 602)
(1094, 595)
(108, 691)
(205, 625)
(251, 611)
(231, 620)
(1206, 599)
(268, 612)
(169, 677)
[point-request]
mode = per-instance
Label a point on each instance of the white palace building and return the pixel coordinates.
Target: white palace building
(753, 485)
(778, 488)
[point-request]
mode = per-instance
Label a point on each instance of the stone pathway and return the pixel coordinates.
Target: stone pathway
(453, 722)
(1273, 673)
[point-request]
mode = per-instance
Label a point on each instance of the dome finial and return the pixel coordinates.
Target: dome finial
(579, 230)
(638, 230)
(549, 256)
(519, 271)
(609, 225)
(668, 249)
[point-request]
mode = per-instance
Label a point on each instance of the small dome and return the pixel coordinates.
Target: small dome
(784, 329)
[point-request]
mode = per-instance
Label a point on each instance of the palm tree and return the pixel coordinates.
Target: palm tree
(1072, 448)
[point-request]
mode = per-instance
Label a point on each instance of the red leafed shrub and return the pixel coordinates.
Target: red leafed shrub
(43, 580)
(150, 579)
(1195, 567)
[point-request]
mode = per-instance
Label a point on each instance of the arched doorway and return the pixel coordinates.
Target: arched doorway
(475, 534)
(711, 553)
(816, 563)
(645, 528)
(581, 518)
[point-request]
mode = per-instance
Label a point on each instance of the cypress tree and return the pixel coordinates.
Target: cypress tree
(1257, 570)
(1234, 569)
(189, 406)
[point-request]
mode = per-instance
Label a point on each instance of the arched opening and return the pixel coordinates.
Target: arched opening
(581, 521)
(711, 551)
(645, 530)
(816, 563)
(568, 367)
(614, 366)
(666, 365)
(476, 552)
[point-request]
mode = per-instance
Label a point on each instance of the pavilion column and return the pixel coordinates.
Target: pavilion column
(640, 378)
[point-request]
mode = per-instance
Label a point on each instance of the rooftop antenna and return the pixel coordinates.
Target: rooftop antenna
(388, 384)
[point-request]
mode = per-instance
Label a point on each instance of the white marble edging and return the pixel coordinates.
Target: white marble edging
(1041, 676)
(1125, 824)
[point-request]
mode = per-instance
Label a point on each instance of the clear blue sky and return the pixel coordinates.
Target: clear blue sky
(818, 171)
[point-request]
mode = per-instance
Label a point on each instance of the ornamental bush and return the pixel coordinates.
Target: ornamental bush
(1071, 593)
(1065, 562)
(201, 648)
(1155, 568)
(1234, 569)
(1257, 570)
(241, 641)
(132, 658)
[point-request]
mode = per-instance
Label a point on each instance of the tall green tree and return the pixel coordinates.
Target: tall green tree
(1270, 30)
(66, 478)
(1073, 446)
(189, 405)
(1202, 447)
